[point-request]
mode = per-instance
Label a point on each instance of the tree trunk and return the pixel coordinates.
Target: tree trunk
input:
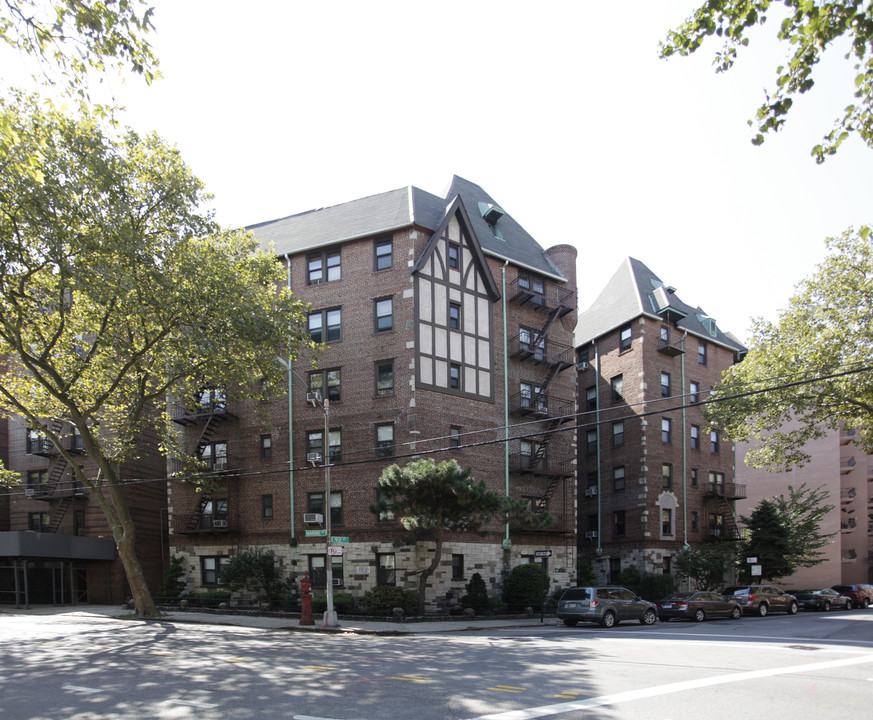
(428, 571)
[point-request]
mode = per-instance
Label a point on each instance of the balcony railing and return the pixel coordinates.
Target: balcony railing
(56, 490)
(547, 297)
(523, 464)
(723, 532)
(541, 406)
(198, 410)
(229, 463)
(728, 490)
(541, 351)
(192, 524)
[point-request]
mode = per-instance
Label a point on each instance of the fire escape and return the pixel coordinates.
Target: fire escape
(534, 347)
(56, 490)
(203, 416)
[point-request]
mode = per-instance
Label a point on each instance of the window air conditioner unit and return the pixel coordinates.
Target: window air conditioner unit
(313, 398)
(313, 518)
(219, 523)
(30, 492)
(591, 534)
(337, 581)
(589, 492)
(313, 458)
(582, 366)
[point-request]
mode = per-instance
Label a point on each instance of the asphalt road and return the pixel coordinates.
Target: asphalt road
(63, 667)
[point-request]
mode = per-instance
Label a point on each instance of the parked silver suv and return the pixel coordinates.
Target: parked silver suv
(605, 604)
(761, 599)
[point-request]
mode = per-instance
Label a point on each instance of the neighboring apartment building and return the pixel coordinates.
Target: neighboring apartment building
(449, 329)
(846, 472)
(58, 547)
(652, 476)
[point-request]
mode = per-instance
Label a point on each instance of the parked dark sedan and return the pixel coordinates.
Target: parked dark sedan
(698, 606)
(824, 599)
(862, 595)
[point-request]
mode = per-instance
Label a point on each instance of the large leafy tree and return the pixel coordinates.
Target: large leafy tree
(430, 499)
(810, 371)
(809, 29)
(708, 565)
(117, 291)
(784, 533)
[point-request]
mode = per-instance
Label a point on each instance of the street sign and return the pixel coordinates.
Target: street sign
(334, 551)
(316, 533)
(336, 539)
(752, 561)
(542, 553)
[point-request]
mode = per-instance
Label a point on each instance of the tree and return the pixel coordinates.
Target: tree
(253, 567)
(812, 370)
(430, 498)
(77, 36)
(784, 533)
(809, 28)
(707, 565)
(116, 292)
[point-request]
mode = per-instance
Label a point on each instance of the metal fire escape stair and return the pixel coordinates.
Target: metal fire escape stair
(725, 508)
(58, 513)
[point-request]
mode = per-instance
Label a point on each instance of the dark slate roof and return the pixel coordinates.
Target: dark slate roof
(400, 208)
(635, 290)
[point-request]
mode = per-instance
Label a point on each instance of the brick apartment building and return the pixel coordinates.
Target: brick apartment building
(449, 329)
(57, 546)
(652, 476)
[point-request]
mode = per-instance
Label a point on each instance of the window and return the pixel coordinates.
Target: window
(215, 456)
(591, 442)
(455, 376)
(454, 436)
(530, 450)
(666, 521)
(701, 352)
(617, 384)
(210, 569)
(454, 256)
(713, 440)
(665, 336)
(323, 267)
(531, 395)
(668, 565)
(693, 477)
(211, 399)
(667, 476)
(266, 506)
(386, 573)
(457, 567)
(266, 447)
(716, 482)
(384, 378)
(325, 325)
(79, 522)
(665, 384)
(385, 440)
(214, 515)
(618, 433)
(38, 521)
(383, 253)
(384, 314)
(695, 437)
(694, 519)
(618, 522)
(625, 339)
(315, 504)
(315, 445)
(318, 570)
(35, 442)
(694, 392)
(455, 316)
(36, 479)
(618, 478)
(666, 429)
(530, 341)
(591, 480)
(591, 398)
(384, 515)
(327, 383)
(716, 524)
(591, 523)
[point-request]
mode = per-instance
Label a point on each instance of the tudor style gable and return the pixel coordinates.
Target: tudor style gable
(454, 294)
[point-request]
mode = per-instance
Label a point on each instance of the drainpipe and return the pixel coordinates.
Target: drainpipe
(506, 541)
(291, 428)
(599, 549)
(684, 448)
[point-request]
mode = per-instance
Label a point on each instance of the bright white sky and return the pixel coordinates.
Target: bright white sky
(561, 111)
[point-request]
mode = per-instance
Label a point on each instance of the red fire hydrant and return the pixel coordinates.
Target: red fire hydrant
(306, 600)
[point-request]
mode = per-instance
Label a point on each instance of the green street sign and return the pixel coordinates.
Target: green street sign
(335, 539)
(316, 533)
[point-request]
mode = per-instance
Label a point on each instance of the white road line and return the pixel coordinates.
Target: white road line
(79, 688)
(191, 703)
(631, 695)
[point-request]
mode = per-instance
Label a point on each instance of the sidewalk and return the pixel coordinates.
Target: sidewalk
(346, 625)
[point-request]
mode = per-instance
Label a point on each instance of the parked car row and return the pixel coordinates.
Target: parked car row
(608, 605)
